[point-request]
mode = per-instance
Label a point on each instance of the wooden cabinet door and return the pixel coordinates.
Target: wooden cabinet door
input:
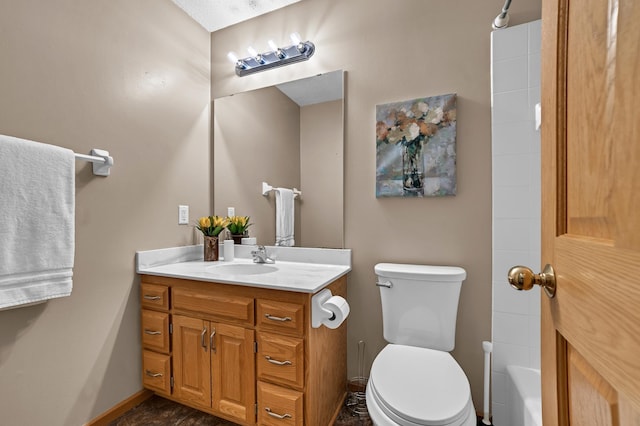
(233, 372)
(591, 211)
(192, 360)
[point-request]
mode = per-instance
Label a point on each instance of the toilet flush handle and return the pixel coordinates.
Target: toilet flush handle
(386, 284)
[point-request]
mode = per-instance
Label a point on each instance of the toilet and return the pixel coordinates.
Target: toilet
(414, 380)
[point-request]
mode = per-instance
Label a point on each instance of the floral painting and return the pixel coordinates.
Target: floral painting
(416, 147)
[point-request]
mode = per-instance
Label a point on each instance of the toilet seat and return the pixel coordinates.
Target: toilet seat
(420, 386)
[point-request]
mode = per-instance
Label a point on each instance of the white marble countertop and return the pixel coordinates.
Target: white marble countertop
(306, 270)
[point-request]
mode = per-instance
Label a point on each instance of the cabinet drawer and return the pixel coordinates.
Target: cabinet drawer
(220, 306)
(281, 317)
(155, 330)
(279, 406)
(156, 372)
(154, 296)
(281, 359)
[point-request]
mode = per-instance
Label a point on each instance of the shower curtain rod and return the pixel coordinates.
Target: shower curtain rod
(502, 20)
(505, 8)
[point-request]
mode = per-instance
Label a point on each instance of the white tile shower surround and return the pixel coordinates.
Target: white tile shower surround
(515, 76)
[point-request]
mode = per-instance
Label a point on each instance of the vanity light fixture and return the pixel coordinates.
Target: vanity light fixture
(276, 57)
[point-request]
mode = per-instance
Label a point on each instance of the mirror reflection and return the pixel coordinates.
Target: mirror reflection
(291, 136)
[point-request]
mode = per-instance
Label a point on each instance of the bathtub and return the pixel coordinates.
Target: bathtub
(524, 405)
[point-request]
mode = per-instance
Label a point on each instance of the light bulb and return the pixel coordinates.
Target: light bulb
(232, 57)
(295, 38)
(278, 52)
(253, 52)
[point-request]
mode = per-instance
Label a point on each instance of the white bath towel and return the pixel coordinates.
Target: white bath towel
(37, 221)
(284, 217)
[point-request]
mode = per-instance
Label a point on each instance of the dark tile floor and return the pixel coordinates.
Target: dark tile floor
(158, 411)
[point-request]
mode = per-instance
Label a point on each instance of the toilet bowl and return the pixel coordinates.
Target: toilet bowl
(414, 380)
(418, 386)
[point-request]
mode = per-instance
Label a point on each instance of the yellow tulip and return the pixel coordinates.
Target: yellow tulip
(205, 222)
(219, 221)
(238, 220)
(237, 224)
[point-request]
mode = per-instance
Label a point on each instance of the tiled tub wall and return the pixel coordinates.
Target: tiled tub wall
(515, 89)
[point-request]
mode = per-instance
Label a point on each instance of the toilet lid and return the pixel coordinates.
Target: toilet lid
(419, 385)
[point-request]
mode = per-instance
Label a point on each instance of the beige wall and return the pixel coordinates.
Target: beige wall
(257, 138)
(393, 51)
(322, 174)
(132, 77)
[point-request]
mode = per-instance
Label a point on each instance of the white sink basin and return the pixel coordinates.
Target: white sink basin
(305, 270)
(242, 269)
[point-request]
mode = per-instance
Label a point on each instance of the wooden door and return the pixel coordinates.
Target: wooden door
(192, 360)
(233, 372)
(591, 211)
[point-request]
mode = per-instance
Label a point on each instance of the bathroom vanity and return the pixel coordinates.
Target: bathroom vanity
(234, 339)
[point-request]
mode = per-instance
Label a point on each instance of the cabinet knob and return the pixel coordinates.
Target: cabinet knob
(152, 332)
(152, 374)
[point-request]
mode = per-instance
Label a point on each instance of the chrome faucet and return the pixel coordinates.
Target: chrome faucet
(260, 255)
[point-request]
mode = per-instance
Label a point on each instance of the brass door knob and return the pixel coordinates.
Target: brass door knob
(523, 278)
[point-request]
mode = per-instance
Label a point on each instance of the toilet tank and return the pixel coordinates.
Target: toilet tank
(420, 304)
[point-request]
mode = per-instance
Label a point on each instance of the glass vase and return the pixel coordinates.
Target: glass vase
(412, 169)
(237, 238)
(211, 249)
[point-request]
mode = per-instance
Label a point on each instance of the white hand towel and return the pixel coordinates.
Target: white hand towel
(37, 221)
(284, 217)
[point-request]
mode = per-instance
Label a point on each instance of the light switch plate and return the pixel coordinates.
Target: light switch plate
(183, 215)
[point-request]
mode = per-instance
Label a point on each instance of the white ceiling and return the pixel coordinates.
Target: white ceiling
(216, 14)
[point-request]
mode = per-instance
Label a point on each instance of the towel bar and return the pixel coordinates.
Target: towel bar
(266, 189)
(101, 160)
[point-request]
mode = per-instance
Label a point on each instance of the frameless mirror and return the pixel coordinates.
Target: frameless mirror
(289, 136)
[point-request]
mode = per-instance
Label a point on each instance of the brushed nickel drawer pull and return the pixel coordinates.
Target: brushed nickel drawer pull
(212, 341)
(277, 416)
(150, 297)
(203, 342)
(282, 319)
(152, 374)
(276, 362)
(152, 332)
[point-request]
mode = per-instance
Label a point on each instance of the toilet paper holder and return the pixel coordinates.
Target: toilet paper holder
(318, 312)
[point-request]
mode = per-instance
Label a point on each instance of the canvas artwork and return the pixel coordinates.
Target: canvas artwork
(416, 147)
